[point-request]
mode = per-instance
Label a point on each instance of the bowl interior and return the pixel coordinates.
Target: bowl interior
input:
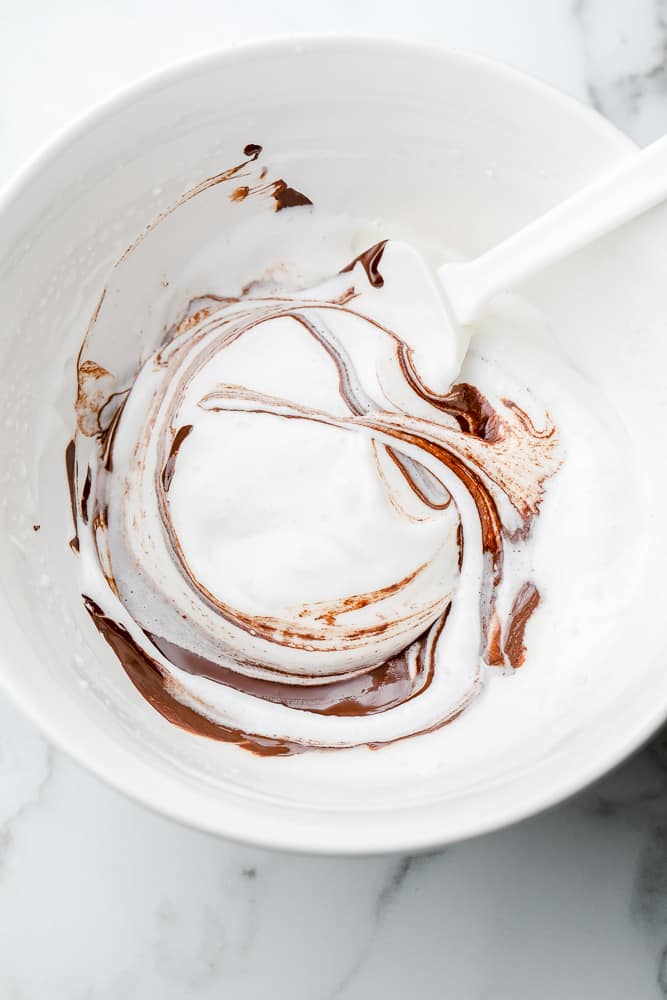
(440, 149)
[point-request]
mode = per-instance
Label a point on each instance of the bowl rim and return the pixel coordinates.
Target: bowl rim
(238, 823)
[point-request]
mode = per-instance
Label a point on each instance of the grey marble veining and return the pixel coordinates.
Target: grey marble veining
(101, 899)
(625, 62)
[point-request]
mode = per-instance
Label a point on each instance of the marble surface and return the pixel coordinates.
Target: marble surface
(101, 899)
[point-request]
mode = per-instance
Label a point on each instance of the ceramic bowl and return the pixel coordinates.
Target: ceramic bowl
(457, 151)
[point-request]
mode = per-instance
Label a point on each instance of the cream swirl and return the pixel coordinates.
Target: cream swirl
(291, 541)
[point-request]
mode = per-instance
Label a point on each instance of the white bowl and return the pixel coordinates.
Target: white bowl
(462, 151)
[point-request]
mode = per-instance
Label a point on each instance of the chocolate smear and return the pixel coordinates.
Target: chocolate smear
(377, 690)
(288, 197)
(369, 260)
(146, 676)
(70, 469)
(85, 495)
(525, 603)
(170, 465)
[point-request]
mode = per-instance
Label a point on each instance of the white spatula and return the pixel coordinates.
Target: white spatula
(458, 291)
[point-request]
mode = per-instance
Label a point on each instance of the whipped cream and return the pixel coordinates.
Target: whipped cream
(290, 533)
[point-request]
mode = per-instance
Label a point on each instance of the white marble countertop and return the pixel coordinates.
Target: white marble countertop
(102, 900)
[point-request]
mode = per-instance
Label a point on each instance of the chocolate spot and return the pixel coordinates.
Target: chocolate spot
(146, 676)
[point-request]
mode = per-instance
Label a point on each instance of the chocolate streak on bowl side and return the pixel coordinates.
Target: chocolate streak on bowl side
(525, 603)
(477, 427)
(288, 197)
(146, 676)
(375, 691)
(370, 261)
(70, 470)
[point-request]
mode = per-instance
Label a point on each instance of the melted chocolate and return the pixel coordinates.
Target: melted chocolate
(146, 676)
(85, 495)
(70, 470)
(437, 497)
(377, 690)
(283, 195)
(251, 151)
(370, 261)
(170, 465)
(197, 309)
(482, 418)
(525, 603)
(288, 197)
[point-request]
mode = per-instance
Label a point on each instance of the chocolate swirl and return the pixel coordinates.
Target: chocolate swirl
(288, 538)
(369, 666)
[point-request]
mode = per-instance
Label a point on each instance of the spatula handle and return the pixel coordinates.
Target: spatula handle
(635, 185)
